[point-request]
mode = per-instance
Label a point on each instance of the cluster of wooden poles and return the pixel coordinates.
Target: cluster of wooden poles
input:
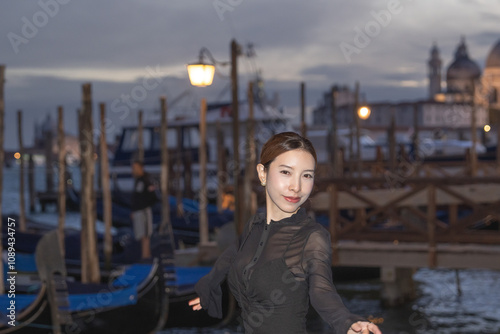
(89, 258)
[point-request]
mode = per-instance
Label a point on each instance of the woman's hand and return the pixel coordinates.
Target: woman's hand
(195, 303)
(364, 327)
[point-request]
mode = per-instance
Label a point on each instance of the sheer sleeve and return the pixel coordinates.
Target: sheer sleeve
(324, 298)
(208, 287)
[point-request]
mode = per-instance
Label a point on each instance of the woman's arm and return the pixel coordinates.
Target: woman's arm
(208, 287)
(317, 261)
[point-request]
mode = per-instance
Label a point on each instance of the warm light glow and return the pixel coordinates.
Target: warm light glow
(17, 155)
(201, 75)
(487, 128)
(364, 112)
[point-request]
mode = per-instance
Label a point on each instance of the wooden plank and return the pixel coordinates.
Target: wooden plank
(472, 237)
(474, 193)
(415, 255)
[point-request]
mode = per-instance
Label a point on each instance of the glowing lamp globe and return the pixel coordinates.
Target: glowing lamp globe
(364, 112)
(200, 74)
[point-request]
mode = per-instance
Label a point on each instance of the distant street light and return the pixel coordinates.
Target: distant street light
(487, 128)
(364, 112)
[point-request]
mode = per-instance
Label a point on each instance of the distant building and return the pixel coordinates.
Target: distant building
(444, 114)
(492, 81)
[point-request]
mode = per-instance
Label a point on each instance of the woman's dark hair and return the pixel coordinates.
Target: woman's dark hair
(284, 142)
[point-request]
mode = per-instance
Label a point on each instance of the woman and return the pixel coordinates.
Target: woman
(283, 258)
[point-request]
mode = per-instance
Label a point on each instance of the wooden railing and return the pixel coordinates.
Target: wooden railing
(406, 165)
(416, 209)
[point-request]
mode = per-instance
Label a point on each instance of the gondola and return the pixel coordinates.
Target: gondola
(185, 227)
(133, 301)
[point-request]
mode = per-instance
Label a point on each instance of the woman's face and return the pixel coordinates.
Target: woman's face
(289, 182)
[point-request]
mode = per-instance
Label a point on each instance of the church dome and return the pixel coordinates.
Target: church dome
(462, 72)
(493, 59)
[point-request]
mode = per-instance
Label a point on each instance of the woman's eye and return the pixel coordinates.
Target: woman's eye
(308, 176)
(285, 172)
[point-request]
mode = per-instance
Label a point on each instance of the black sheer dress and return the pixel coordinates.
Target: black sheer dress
(273, 271)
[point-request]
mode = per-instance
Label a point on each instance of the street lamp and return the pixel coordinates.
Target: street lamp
(202, 76)
(364, 113)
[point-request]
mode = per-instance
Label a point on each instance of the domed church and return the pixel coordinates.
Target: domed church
(463, 74)
(492, 76)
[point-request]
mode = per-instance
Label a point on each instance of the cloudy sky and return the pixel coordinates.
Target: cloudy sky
(51, 47)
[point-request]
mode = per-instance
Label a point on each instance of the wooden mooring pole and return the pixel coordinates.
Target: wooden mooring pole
(334, 146)
(250, 205)
(31, 182)
(106, 189)
(179, 193)
(90, 260)
(303, 126)
(61, 196)
(140, 142)
(431, 226)
(221, 166)
(415, 140)
(334, 226)
(392, 141)
(203, 200)
(22, 210)
(165, 226)
(2, 163)
(235, 51)
(359, 161)
(49, 171)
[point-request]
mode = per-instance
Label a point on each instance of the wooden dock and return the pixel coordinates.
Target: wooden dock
(435, 216)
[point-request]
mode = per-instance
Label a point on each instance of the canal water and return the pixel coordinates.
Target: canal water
(439, 307)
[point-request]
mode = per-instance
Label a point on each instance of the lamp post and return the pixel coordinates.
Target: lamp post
(361, 112)
(201, 74)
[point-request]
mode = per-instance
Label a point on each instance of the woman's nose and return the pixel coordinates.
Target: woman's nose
(294, 185)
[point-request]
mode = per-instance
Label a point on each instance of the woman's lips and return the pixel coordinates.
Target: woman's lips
(292, 199)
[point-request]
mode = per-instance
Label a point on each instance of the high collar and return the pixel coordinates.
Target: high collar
(297, 217)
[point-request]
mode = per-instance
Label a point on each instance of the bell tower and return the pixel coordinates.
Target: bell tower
(434, 71)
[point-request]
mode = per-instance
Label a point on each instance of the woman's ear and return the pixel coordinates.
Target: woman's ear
(261, 171)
